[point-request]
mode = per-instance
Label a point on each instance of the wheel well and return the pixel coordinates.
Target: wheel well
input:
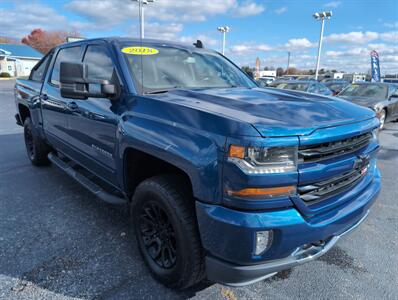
(140, 166)
(23, 112)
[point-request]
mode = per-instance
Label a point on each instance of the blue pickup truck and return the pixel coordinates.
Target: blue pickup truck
(224, 179)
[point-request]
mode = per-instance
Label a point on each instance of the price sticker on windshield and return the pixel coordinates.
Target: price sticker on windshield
(137, 50)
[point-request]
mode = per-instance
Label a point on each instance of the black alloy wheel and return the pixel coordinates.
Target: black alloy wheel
(158, 235)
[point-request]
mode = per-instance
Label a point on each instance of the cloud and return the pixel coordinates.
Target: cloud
(391, 25)
(300, 43)
(354, 37)
(332, 4)
(249, 8)
(162, 31)
(281, 10)
(244, 49)
(21, 19)
(391, 36)
(116, 11)
(207, 41)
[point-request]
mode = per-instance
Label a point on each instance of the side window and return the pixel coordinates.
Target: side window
(321, 88)
(39, 71)
(99, 63)
(71, 54)
(393, 90)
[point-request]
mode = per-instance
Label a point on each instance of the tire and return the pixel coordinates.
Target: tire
(36, 148)
(164, 221)
(383, 115)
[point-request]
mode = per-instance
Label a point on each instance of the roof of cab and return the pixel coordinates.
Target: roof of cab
(120, 40)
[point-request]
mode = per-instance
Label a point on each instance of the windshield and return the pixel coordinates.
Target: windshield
(293, 86)
(335, 86)
(366, 90)
(162, 68)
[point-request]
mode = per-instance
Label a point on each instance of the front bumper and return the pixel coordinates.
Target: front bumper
(228, 236)
(235, 275)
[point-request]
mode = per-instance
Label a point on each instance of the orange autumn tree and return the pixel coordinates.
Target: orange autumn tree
(43, 41)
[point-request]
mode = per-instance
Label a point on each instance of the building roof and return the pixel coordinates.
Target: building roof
(20, 51)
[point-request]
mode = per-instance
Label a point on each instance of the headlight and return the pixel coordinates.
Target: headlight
(262, 160)
(377, 108)
(375, 134)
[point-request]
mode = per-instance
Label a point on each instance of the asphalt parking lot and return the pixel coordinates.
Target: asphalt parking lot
(57, 241)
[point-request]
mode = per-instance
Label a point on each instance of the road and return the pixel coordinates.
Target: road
(57, 241)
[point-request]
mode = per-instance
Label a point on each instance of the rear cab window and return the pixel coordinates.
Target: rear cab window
(39, 71)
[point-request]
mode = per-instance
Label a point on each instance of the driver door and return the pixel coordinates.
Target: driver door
(93, 122)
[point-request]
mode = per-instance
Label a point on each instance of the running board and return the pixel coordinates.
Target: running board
(86, 182)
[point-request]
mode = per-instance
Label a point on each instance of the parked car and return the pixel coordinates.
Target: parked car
(224, 180)
(381, 97)
(265, 81)
(336, 86)
(308, 86)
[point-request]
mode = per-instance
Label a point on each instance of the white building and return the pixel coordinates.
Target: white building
(18, 60)
(268, 73)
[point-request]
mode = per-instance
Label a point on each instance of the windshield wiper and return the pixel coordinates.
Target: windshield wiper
(161, 91)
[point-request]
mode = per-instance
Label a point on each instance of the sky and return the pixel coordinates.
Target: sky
(267, 29)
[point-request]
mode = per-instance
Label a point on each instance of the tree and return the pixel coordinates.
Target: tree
(43, 41)
(249, 71)
(8, 40)
(279, 71)
(292, 71)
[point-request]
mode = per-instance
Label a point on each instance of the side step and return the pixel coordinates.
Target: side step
(86, 182)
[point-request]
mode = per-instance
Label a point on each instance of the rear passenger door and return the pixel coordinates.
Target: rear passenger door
(93, 122)
(54, 107)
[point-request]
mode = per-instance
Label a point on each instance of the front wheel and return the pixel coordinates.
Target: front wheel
(164, 222)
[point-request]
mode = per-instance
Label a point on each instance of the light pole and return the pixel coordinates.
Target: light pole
(320, 16)
(223, 30)
(141, 4)
(288, 62)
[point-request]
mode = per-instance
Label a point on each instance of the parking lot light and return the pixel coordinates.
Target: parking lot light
(223, 30)
(141, 4)
(320, 16)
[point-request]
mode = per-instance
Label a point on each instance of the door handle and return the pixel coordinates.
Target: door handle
(73, 106)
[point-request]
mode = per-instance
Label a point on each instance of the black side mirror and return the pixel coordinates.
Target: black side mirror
(75, 85)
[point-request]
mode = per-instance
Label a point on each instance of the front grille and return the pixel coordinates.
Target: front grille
(312, 153)
(322, 190)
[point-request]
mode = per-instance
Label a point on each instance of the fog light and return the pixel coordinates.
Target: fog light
(263, 241)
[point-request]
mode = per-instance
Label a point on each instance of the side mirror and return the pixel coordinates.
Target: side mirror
(75, 85)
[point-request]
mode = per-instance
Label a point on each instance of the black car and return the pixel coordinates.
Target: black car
(381, 97)
(308, 86)
(336, 86)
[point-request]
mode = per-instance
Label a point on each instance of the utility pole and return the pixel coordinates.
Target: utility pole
(320, 16)
(288, 62)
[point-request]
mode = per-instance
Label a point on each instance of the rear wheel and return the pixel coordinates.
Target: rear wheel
(382, 118)
(36, 148)
(166, 231)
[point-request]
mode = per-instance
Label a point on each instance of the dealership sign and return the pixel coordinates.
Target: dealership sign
(374, 60)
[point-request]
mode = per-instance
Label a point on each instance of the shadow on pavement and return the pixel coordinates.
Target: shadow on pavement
(57, 236)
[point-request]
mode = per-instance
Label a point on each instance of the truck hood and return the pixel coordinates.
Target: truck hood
(272, 112)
